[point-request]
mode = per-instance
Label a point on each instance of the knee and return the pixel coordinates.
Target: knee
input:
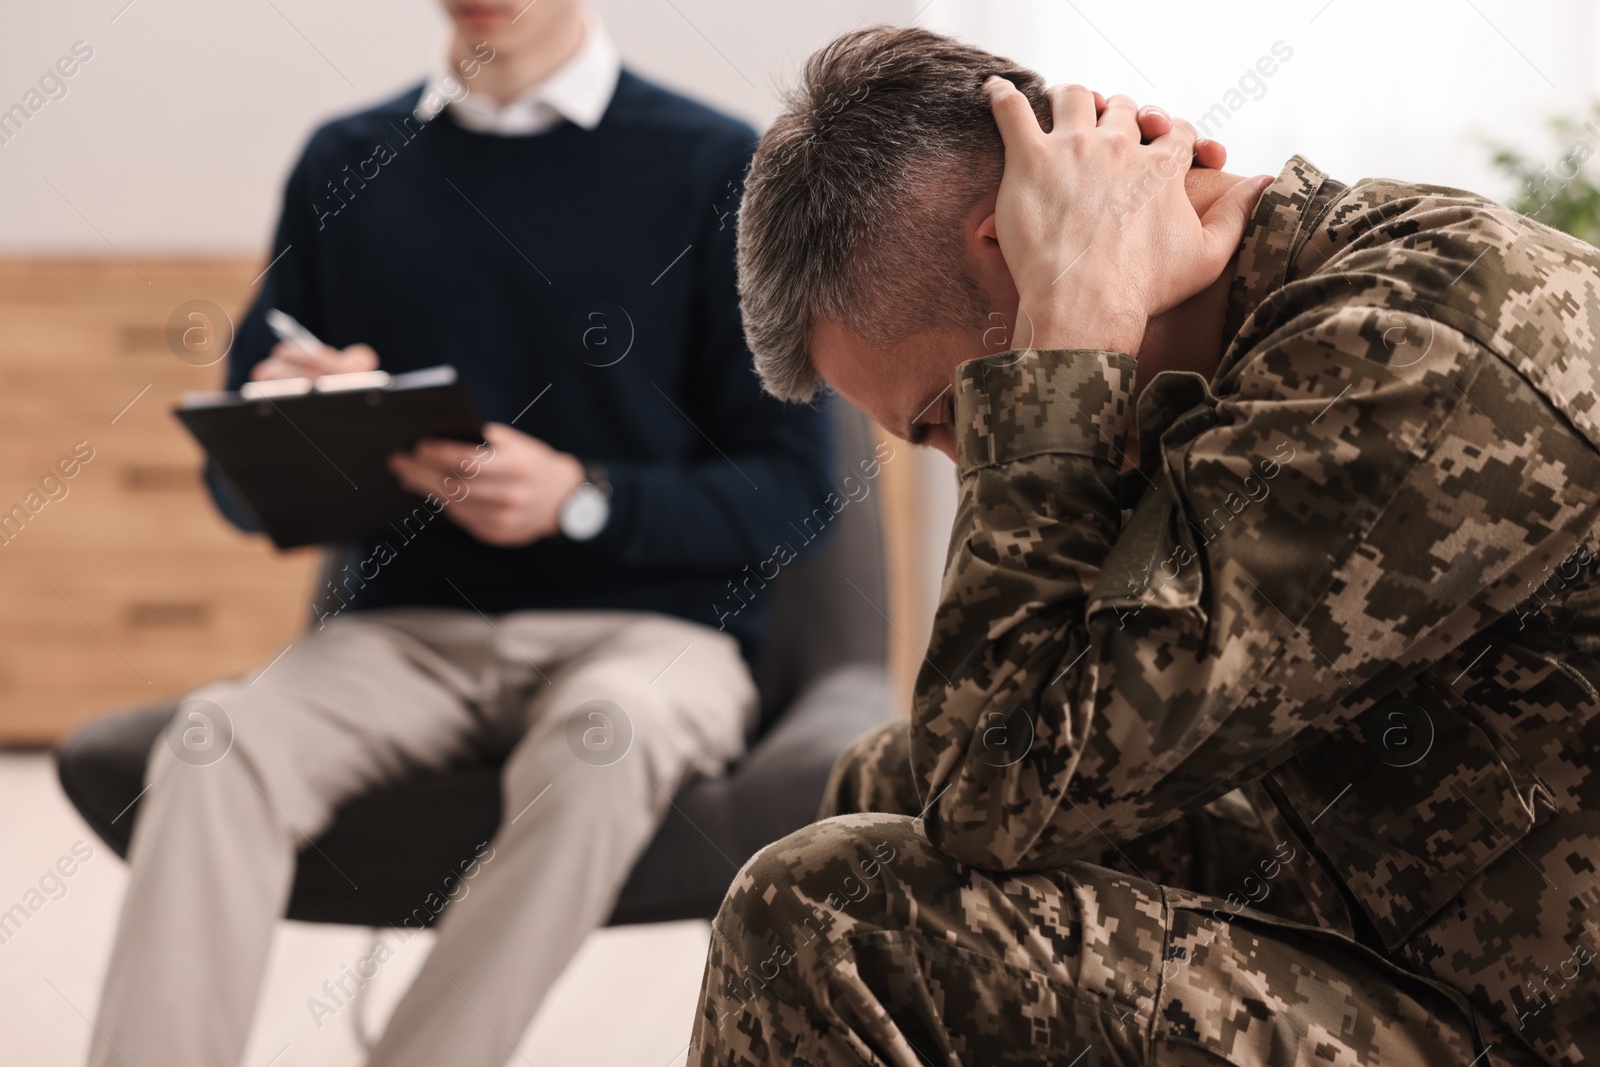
(820, 884)
(599, 729)
(614, 737)
(200, 736)
(226, 741)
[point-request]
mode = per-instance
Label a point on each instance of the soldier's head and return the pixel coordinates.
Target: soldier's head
(867, 250)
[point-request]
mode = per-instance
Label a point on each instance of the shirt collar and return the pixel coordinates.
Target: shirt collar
(579, 91)
(1271, 238)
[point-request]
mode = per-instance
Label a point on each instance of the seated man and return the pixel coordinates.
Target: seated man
(563, 235)
(1280, 484)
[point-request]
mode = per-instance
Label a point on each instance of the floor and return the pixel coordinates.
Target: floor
(628, 998)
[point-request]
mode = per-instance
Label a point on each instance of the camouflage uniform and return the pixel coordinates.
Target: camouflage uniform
(1357, 578)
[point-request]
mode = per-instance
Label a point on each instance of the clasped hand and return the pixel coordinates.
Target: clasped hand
(1096, 227)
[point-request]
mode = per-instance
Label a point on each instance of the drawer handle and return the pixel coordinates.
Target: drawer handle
(140, 339)
(157, 478)
(168, 614)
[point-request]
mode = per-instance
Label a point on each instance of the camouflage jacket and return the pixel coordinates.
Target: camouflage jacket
(1359, 579)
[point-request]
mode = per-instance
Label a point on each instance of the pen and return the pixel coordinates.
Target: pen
(287, 329)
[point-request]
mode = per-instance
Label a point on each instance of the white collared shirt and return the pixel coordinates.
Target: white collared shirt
(578, 91)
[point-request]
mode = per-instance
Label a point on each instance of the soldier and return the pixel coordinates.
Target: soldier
(1278, 484)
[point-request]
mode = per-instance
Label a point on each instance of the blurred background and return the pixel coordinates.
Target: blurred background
(154, 178)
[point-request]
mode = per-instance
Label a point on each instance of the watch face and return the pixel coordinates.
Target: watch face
(584, 514)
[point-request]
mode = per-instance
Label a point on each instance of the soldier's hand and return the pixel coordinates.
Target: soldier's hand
(1096, 228)
(1155, 122)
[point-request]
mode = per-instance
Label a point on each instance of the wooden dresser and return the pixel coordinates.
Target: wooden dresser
(129, 587)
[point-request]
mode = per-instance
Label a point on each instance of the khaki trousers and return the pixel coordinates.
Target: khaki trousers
(372, 697)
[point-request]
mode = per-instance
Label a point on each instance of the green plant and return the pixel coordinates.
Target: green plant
(1562, 193)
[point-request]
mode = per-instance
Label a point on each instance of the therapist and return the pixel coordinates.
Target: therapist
(561, 231)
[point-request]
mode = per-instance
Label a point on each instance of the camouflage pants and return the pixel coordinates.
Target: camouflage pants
(854, 941)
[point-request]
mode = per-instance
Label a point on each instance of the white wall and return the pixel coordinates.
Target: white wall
(177, 134)
(1374, 88)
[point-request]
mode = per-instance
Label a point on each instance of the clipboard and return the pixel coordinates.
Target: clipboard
(310, 458)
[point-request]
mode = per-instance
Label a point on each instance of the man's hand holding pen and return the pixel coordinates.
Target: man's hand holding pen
(518, 483)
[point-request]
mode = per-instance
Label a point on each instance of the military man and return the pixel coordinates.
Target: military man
(1277, 484)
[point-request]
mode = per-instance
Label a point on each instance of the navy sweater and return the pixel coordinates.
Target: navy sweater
(591, 275)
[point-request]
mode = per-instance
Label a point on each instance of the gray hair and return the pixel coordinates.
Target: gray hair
(854, 201)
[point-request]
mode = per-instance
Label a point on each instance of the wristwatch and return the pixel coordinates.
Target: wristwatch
(588, 507)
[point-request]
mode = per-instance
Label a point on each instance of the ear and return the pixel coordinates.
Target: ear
(988, 262)
(986, 229)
